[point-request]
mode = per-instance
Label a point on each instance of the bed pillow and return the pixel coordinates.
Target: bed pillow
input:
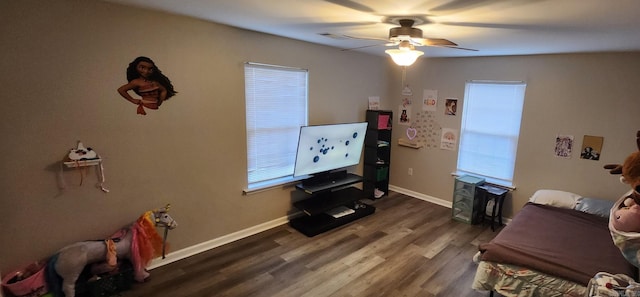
(561, 199)
(600, 207)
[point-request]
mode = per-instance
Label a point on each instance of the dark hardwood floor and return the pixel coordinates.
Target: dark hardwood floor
(409, 247)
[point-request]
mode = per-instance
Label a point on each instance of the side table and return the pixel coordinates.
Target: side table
(497, 195)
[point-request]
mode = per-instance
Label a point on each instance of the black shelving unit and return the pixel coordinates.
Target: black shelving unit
(377, 153)
(326, 197)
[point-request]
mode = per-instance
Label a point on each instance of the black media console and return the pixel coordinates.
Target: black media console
(333, 202)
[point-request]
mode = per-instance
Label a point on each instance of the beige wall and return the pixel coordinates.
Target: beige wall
(62, 63)
(583, 94)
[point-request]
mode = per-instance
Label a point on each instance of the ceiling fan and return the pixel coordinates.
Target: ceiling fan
(408, 33)
(407, 36)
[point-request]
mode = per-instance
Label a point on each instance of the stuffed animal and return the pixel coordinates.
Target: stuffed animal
(631, 174)
(627, 217)
(82, 153)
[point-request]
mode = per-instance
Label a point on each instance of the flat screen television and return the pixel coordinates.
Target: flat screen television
(326, 148)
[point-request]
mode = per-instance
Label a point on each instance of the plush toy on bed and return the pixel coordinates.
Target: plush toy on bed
(624, 219)
(627, 215)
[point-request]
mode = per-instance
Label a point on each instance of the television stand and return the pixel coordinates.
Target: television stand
(328, 182)
(324, 209)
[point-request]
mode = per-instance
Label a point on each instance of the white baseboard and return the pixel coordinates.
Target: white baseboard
(432, 199)
(421, 196)
(216, 242)
(207, 245)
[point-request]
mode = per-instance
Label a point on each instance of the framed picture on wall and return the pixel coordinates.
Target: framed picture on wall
(451, 106)
(405, 115)
(564, 146)
(591, 147)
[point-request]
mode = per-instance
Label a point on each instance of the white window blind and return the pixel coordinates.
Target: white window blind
(276, 107)
(490, 129)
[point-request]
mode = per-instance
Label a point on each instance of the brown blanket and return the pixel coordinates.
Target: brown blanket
(561, 242)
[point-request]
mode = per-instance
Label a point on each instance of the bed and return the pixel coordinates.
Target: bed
(553, 247)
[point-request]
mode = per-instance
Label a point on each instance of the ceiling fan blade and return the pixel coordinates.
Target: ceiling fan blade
(360, 47)
(457, 47)
(438, 42)
(352, 5)
(366, 38)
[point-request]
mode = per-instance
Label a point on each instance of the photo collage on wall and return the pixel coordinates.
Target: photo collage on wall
(422, 126)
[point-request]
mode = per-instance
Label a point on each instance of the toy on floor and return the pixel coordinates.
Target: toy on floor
(139, 243)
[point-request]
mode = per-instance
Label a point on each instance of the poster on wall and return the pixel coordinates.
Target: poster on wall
(429, 100)
(449, 139)
(374, 102)
(405, 115)
(591, 147)
(405, 112)
(146, 80)
(564, 145)
(451, 106)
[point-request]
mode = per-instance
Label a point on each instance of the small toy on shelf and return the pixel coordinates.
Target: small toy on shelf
(82, 156)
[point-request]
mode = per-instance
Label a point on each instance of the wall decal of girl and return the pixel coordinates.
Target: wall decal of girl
(146, 80)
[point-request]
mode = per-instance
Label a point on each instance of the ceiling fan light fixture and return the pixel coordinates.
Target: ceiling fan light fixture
(404, 33)
(404, 56)
(406, 46)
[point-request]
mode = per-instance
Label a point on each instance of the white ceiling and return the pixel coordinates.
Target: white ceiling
(493, 27)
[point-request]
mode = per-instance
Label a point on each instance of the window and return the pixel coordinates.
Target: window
(490, 128)
(276, 107)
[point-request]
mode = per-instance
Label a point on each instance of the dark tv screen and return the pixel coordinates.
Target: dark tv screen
(323, 148)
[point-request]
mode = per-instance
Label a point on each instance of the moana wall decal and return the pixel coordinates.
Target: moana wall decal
(147, 81)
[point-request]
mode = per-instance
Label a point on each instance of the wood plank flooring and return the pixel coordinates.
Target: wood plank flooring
(409, 247)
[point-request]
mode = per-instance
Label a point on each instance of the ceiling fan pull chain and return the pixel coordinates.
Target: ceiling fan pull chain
(404, 75)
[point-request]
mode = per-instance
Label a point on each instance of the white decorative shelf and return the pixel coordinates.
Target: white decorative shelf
(82, 163)
(409, 143)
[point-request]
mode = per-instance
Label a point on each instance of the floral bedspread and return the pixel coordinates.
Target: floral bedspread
(515, 281)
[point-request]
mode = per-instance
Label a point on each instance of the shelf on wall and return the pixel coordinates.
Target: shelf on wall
(409, 143)
(82, 163)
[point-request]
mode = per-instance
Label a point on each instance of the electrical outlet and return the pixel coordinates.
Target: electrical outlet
(410, 171)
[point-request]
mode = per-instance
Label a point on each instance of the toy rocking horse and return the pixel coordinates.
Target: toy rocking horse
(139, 243)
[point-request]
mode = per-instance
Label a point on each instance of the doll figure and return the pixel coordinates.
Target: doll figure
(146, 80)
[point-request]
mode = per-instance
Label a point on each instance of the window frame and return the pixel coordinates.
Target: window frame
(508, 137)
(255, 115)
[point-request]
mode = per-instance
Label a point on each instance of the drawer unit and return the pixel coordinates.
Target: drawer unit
(467, 200)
